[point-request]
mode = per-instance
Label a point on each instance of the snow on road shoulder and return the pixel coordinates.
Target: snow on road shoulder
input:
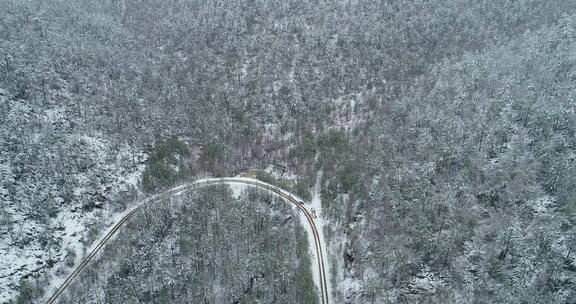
(316, 204)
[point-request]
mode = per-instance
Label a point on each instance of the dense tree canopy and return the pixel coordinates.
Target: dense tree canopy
(441, 132)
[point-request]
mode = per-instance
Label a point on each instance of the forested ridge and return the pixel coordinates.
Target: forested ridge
(444, 132)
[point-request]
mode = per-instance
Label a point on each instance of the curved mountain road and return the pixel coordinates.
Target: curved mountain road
(289, 197)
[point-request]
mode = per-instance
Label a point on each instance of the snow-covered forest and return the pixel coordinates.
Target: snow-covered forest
(207, 246)
(441, 134)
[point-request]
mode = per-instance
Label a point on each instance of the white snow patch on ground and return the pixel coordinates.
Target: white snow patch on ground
(237, 190)
(32, 258)
(543, 205)
(53, 115)
(350, 286)
(132, 179)
(424, 282)
(73, 227)
(14, 260)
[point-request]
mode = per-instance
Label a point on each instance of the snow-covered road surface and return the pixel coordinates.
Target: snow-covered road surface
(310, 224)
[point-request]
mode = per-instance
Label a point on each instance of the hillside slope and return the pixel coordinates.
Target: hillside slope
(444, 131)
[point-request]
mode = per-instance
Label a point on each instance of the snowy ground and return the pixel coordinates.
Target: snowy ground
(24, 261)
(316, 204)
(68, 230)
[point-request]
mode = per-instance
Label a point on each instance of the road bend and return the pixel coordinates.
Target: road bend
(287, 196)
